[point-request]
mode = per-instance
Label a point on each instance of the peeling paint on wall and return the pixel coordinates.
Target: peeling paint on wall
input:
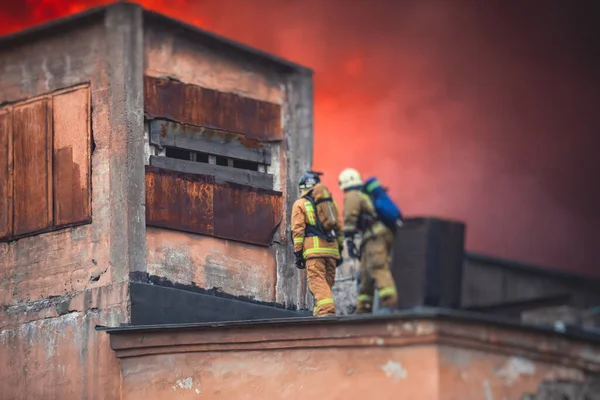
(394, 370)
(514, 368)
(186, 383)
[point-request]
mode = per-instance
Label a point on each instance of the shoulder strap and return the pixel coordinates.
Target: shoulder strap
(324, 199)
(320, 228)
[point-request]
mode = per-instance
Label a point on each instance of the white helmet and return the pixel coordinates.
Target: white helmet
(349, 178)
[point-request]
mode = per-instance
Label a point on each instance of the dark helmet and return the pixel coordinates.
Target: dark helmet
(308, 180)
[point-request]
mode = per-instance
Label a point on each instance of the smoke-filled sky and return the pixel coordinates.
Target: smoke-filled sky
(481, 111)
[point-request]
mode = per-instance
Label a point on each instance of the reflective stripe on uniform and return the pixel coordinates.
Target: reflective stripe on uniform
(340, 239)
(322, 302)
(371, 186)
(364, 298)
(378, 228)
(299, 240)
(387, 291)
(310, 213)
(333, 252)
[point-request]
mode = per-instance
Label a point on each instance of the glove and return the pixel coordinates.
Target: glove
(299, 263)
(352, 250)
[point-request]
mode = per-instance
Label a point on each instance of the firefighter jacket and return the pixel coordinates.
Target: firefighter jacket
(304, 224)
(360, 215)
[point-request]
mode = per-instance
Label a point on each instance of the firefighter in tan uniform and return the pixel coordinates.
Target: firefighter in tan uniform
(360, 217)
(318, 240)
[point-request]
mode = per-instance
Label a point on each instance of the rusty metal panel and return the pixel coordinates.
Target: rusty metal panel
(199, 106)
(32, 161)
(179, 201)
(72, 202)
(246, 214)
(6, 211)
(210, 141)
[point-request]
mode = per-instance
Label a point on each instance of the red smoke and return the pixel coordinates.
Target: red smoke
(468, 110)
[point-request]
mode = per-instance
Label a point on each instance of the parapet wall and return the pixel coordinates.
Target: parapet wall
(424, 355)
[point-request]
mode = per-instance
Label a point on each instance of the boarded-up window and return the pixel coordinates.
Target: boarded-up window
(210, 162)
(195, 105)
(207, 132)
(32, 137)
(224, 155)
(45, 163)
(71, 154)
(6, 180)
(199, 204)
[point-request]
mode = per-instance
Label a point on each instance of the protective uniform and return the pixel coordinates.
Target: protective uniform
(318, 251)
(376, 245)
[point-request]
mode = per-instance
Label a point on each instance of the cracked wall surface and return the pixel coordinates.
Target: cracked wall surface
(56, 287)
(431, 357)
(259, 272)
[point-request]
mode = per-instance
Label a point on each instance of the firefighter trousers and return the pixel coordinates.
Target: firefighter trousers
(320, 272)
(375, 271)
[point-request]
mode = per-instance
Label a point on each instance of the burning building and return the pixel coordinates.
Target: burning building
(137, 153)
(147, 170)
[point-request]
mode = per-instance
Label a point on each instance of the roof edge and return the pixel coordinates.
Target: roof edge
(15, 38)
(428, 313)
(232, 44)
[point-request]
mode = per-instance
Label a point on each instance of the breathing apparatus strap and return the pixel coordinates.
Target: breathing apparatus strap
(317, 230)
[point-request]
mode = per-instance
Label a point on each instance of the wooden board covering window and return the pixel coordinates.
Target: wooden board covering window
(45, 163)
(199, 204)
(179, 201)
(32, 164)
(71, 157)
(195, 105)
(6, 211)
(246, 214)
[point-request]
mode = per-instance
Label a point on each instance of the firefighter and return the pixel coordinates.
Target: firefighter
(360, 217)
(318, 240)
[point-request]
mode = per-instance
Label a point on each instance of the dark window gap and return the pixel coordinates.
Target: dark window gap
(202, 157)
(222, 161)
(179, 154)
(242, 164)
(197, 156)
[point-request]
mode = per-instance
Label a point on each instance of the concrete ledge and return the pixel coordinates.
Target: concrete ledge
(423, 354)
(420, 326)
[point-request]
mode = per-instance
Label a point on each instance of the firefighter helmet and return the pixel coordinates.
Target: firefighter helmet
(349, 178)
(308, 180)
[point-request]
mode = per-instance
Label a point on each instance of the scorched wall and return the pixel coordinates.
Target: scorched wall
(79, 179)
(70, 201)
(206, 97)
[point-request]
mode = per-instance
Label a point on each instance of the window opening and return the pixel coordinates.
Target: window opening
(202, 157)
(243, 164)
(222, 161)
(178, 153)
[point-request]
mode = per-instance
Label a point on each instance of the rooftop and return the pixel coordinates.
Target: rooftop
(208, 38)
(421, 313)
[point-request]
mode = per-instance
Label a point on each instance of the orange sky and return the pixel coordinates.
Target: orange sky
(477, 113)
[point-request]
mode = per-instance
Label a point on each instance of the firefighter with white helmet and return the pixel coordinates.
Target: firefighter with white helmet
(318, 240)
(360, 217)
